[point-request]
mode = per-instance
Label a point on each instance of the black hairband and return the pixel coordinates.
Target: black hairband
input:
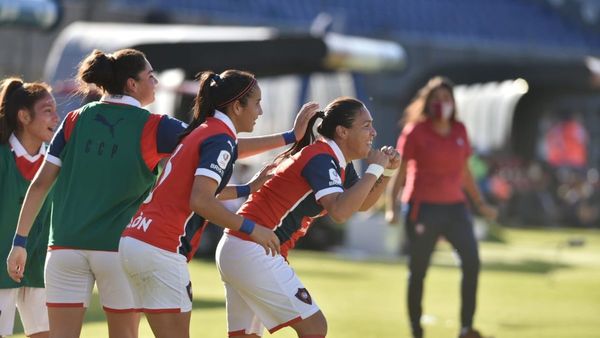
(240, 94)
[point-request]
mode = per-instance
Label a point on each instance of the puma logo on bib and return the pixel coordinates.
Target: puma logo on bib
(111, 126)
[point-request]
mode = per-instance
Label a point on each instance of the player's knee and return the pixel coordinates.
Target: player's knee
(312, 327)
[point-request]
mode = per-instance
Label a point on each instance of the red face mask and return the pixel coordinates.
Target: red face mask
(442, 110)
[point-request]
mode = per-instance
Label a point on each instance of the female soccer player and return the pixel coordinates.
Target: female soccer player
(159, 241)
(28, 119)
(435, 149)
(311, 179)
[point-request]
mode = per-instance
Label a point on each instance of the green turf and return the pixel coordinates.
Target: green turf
(532, 285)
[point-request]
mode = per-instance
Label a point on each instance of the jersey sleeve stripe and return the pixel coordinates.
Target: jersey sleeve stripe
(54, 160)
(208, 173)
(327, 191)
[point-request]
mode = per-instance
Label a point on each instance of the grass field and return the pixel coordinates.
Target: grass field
(533, 285)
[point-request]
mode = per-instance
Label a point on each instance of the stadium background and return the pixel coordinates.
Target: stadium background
(527, 71)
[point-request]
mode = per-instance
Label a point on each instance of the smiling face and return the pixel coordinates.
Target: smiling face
(145, 85)
(249, 112)
(43, 120)
(359, 137)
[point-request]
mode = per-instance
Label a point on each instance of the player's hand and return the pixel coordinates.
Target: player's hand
(15, 263)
(393, 157)
(266, 238)
(487, 211)
(307, 111)
(391, 216)
(378, 157)
(261, 177)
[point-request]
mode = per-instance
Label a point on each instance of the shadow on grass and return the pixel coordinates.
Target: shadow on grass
(341, 275)
(94, 312)
(523, 266)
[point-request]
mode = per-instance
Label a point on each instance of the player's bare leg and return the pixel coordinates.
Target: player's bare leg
(313, 326)
(166, 325)
(123, 325)
(65, 322)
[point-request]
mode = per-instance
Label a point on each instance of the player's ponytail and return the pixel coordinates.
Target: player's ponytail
(308, 138)
(219, 91)
(110, 72)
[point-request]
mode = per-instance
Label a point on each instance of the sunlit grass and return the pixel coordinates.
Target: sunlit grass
(538, 283)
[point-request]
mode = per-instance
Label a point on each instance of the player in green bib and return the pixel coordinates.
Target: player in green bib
(101, 164)
(27, 121)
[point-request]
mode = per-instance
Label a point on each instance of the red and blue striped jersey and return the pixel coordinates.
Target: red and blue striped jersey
(288, 202)
(163, 219)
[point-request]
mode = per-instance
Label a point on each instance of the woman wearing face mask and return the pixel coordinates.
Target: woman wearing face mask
(433, 171)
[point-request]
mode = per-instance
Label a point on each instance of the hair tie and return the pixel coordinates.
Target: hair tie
(20, 85)
(216, 78)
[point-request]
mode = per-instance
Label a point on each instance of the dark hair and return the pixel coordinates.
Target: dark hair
(417, 109)
(218, 91)
(110, 72)
(340, 112)
(14, 96)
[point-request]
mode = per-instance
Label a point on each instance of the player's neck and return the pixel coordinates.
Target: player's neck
(441, 126)
(31, 143)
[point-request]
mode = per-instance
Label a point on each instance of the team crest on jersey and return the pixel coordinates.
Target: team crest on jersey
(460, 141)
(334, 177)
(304, 296)
(223, 159)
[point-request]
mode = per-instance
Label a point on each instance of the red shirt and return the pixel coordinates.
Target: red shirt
(566, 144)
(435, 162)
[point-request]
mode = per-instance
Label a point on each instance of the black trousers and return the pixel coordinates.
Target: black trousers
(429, 222)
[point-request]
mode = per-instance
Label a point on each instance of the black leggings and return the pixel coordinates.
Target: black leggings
(454, 222)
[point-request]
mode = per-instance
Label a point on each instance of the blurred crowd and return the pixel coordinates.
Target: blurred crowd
(537, 193)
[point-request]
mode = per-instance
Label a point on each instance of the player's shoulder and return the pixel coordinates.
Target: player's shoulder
(415, 127)
(459, 125)
(317, 151)
(221, 139)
